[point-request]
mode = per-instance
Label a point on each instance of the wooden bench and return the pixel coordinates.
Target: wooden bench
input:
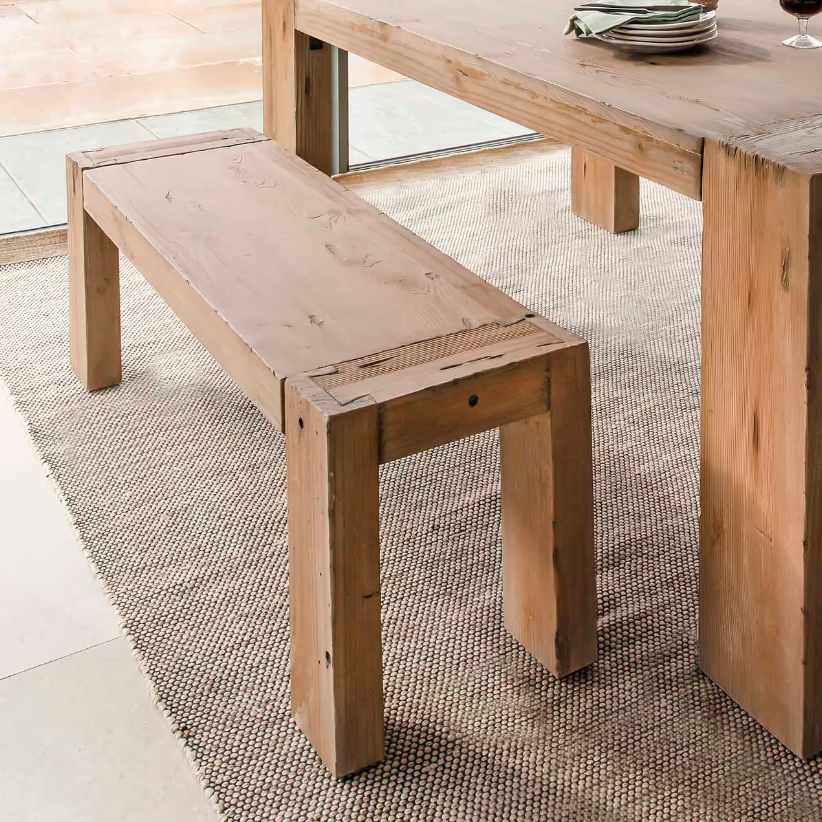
(363, 344)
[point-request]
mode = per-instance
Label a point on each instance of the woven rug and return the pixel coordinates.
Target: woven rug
(176, 486)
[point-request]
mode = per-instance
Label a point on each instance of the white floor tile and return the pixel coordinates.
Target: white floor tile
(509, 128)
(355, 157)
(398, 119)
(51, 604)
(37, 162)
(16, 212)
(81, 741)
(243, 115)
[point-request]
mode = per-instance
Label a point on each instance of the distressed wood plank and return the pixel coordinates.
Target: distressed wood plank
(444, 389)
(603, 193)
(279, 77)
(226, 344)
(761, 530)
(334, 577)
(548, 560)
(297, 87)
(453, 54)
(223, 216)
(94, 292)
(116, 155)
(226, 236)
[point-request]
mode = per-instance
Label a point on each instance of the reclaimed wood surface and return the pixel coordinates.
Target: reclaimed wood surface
(761, 531)
(603, 193)
(342, 280)
(451, 387)
(548, 557)
(279, 72)
(334, 576)
(168, 147)
(298, 85)
(94, 291)
(647, 114)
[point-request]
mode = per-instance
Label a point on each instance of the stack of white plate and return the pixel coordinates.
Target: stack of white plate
(657, 38)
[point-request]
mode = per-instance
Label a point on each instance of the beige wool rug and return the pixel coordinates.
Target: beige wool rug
(176, 485)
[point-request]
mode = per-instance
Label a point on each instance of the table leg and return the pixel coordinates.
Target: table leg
(94, 292)
(548, 564)
(603, 193)
(305, 91)
(761, 531)
(334, 571)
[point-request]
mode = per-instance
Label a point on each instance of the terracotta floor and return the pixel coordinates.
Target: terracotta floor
(76, 62)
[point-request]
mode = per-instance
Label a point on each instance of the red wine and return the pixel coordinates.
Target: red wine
(801, 8)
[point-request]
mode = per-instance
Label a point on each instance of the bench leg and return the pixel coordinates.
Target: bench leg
(94, 293)
(760, 564)
(305, 91)
(603, 193)
(333, 527)
(548, 564)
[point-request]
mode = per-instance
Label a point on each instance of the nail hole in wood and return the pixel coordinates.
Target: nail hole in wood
(473, 400)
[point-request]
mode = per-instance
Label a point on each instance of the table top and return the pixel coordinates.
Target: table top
(500, 55)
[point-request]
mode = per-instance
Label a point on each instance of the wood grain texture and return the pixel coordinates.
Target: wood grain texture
(313, 74)
(275, 267)
(646, 115)
(279, 78)
(169, 147)
(742, 81)
(308, 272)
(417, 420)
(297, 87)
(436, 402)
(452, 51)
(462, 346)
(761, 537)
(603, 193)
(334, 576)
(94, 292)
(221, 340)
(548, 562)
(813, 478)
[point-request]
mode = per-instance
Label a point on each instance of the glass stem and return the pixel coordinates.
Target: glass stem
(803, 27)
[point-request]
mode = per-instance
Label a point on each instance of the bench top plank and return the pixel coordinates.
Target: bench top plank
(304, 271)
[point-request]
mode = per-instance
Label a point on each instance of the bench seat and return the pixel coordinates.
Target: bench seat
(363, 344)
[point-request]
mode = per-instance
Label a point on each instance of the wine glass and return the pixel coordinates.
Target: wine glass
(802, 9)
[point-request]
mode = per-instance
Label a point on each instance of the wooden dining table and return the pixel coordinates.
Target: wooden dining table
(736, 124)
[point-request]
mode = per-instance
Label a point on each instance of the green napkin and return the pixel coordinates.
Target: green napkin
(597, 18)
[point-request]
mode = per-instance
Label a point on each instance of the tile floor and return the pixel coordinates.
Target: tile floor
(79, 62)
(80, 738)
(386, 120)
